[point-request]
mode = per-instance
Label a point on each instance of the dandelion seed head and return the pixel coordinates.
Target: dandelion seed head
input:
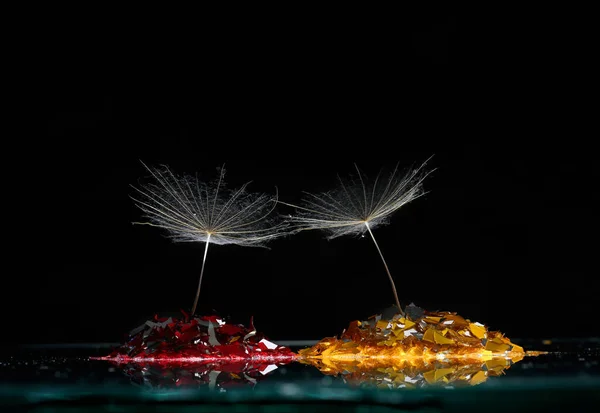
(191, 210)
(359, 203)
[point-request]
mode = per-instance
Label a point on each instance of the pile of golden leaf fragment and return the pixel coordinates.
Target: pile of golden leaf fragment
(415, 349)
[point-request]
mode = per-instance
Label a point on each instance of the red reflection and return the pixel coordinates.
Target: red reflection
(214, 375)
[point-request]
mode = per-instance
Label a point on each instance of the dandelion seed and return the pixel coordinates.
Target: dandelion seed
(195, 211)
(359, 205)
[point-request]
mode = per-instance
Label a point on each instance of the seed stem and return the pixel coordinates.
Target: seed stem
(201, 273)
(386, 269)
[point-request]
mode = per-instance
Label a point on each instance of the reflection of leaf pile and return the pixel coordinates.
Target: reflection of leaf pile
(207, 375)
(422, 345)
(456, 373)
(202, 339)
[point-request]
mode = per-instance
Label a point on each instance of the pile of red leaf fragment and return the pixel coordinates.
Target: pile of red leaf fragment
(206, 340)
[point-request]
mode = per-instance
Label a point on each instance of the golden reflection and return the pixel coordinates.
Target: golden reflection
(415, 373)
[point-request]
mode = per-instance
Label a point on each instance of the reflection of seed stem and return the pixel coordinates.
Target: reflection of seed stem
(201, 273)
(386, 268)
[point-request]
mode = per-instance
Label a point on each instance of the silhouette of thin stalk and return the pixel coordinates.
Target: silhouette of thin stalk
(201, 274)
(386, 269)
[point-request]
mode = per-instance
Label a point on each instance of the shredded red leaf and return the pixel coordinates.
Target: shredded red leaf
(205, 339)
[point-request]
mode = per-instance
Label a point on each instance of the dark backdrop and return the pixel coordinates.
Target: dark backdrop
(505, 235)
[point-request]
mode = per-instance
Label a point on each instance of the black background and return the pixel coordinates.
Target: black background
(505, 235)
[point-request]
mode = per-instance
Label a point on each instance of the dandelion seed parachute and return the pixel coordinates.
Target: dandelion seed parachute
(359, 205)
(194, 211)
(358, 201)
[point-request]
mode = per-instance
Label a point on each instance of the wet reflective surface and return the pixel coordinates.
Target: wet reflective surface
(45, 378)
